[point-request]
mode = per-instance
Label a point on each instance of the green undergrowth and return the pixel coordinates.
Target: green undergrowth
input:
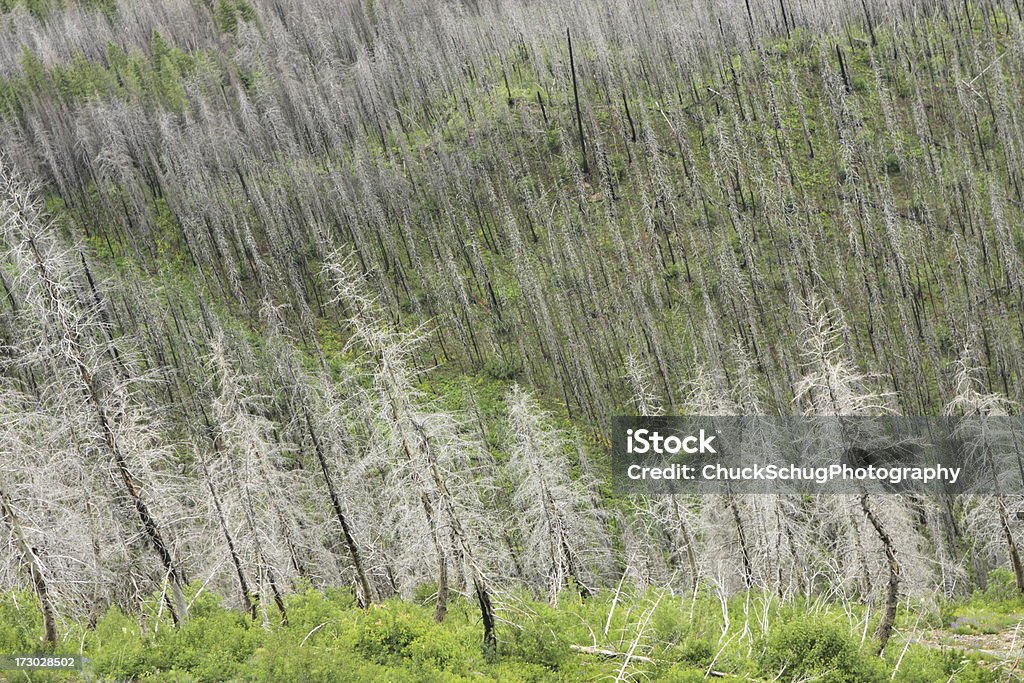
(327, 638)
(996, 608)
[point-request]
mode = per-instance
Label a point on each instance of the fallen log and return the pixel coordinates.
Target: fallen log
(613, 654)
(610, 654)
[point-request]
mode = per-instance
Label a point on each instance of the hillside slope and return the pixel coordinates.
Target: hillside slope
(318, 296)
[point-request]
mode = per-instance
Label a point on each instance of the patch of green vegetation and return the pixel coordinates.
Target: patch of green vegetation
(38, 8)
(997, 608)
(154, 79)
(973, 621)
(228, 13)
(818, 649)
(328, 638)
(920, 664)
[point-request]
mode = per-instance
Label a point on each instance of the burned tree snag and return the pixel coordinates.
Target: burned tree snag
(576, 98)
(885, 626)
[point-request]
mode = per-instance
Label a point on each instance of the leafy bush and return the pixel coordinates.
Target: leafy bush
(698, 653)
(21, 624)
(540, 640)
(388, 630)
(116, 647)
(280, 660)
(503, 368)
(818, 649)
(213, 645)
(1001, 588)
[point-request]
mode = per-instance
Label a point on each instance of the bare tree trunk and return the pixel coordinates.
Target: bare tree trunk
(487, 616)
(74, 353)
(261, 557)
(892, 591)
(94, 546)
(278, 599)
(870, 23)
(748, 570)
(243, 584)
(576, 97)
(441, 606)
(366, 594)
(1011, 544)
(691, 560)
(1004, 523)
(479, 583)
(35, 572)
(176, 602)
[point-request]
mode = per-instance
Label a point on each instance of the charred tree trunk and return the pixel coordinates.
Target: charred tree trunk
(1011, 544)
(487, 616)
(748, 569)
(236, 562)
(366, 595)
(885, 626)
(576, 98)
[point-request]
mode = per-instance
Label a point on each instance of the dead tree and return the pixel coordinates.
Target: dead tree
(66, 342)
(423, 451)
(831, 386)
(557, 528)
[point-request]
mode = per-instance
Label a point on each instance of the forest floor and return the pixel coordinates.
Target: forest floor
(1005, 647)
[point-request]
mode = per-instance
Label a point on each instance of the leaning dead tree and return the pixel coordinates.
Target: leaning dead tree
(669, 514)
(87, 381)
(314, 413)
(248, 465)
(984, 434)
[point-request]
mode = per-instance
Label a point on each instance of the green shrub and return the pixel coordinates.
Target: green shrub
(671, 623)
(21, 623)
(818, 649)
(425, 593)
(1002, 587)
(117, 650)
(441, 648)
(386, 631)
(213, 646)
(892, 164)
(541, 639)
(281, 661)
(698, 653)
(924, 665)
(503, 368)
(681, 674)
(321, 616)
